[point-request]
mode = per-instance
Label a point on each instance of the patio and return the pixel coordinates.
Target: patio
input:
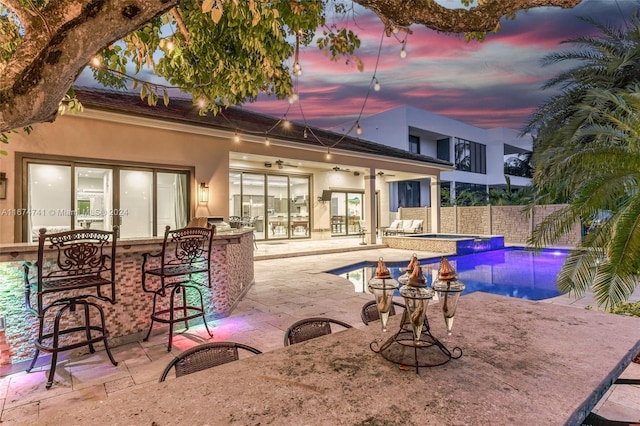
(287, 288)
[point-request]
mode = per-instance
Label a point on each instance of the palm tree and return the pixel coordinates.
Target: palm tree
(587, 149)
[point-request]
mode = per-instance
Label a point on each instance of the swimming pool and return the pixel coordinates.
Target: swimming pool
(514, 272)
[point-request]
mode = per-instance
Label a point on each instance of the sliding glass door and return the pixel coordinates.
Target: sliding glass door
(347, 210)
(275, 205)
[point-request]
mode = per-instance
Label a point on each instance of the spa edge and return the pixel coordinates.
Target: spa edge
(128, 319)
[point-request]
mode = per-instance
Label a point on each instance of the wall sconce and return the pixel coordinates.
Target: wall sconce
(203, 193)
(3, 186)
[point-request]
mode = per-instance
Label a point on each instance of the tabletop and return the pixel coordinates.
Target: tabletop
(523, 362)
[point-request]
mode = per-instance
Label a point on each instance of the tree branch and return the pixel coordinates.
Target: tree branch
(482, 18)
(183, 28)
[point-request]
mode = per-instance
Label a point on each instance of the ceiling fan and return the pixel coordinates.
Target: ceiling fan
(381, 173)
(338, 169)
(282, 164)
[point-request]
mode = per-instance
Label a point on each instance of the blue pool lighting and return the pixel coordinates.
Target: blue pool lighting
(514, 272)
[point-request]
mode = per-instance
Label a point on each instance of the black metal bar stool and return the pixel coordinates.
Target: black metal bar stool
(184, 259)
(73, 268)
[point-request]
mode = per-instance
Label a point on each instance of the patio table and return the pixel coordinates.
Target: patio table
(523, 362)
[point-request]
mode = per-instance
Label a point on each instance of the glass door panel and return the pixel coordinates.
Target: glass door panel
(171, 204)
(278, 206)
(93, 199)
(251, 211)
(136, 203)
(48, 199)
(355, 208)
(299, 190)
(338, 213)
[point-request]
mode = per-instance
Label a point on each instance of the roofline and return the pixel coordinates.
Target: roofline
(90, 112)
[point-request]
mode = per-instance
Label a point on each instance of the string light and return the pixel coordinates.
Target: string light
(202, 102)
(328, 153)
(96, 62)
(170, 46)
(376, 84)
(236, 137)
(358, 128)
(403, 51)
(286, 123)
(304, 134)
(297, 69)
(266, 140)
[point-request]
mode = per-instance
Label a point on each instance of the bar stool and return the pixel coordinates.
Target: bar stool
(184, 259)
(73, 267)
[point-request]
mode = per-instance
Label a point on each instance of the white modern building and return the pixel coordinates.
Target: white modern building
(482, 157)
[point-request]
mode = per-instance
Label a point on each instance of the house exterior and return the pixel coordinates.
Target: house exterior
(481, 157)
(123, 162)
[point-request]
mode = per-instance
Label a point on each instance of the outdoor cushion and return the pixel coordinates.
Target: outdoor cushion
(406, 225)
(416, 226)
(395, 224)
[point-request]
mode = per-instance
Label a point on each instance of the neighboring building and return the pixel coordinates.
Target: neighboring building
(482, 157)
(143, 168)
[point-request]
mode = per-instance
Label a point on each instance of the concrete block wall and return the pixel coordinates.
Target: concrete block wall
(474, 220)
(508, 221)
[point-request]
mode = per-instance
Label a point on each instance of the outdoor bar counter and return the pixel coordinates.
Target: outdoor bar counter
(128, 319)
(523, 363)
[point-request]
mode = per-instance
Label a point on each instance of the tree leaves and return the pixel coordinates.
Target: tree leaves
(588, 148)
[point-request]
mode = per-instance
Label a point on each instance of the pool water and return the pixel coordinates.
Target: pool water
(514, 272)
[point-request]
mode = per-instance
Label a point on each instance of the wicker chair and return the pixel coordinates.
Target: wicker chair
(205, 356)
(310, 328)
(370, 312)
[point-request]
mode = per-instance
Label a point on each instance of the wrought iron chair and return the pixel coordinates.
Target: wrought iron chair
(184, 259)
(205, 356)
(370, 312)
(72, 267)
(310, 328)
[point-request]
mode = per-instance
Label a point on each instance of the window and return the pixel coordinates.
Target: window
(443, 149)
(471, 194)
(470, 156)
(74, 195)
(409, 194)
(414, 144)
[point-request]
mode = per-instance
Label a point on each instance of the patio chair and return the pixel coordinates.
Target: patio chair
(183, 265)
(205, 356)
(370, 312)
(73, 269)
(310, 328)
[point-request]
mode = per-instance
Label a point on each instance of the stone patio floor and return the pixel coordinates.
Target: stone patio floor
(290, 285)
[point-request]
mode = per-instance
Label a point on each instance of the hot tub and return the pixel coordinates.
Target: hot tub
(446, 243)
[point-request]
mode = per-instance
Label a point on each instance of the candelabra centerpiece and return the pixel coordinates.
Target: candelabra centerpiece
(414, 330)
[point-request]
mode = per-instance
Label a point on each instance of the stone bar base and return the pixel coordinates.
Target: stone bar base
(128, 319)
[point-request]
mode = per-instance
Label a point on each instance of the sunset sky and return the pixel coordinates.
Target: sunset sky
(492, 83)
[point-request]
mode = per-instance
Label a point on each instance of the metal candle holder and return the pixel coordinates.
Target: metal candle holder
(414, 330)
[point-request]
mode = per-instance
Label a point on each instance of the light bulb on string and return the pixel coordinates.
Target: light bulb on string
(266, 140)
(170, 46)
(96, 62)
(286, 123)
(328, 153)
(202, 102)
(376, 84)
(236, 137)
(293, 98)
(304, 133)
(358, 128)
(403, 51)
